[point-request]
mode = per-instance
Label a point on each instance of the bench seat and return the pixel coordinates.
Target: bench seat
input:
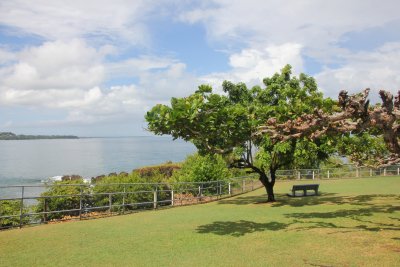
(304, 188)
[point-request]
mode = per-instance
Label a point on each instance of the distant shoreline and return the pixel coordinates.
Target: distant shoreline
(12, 136)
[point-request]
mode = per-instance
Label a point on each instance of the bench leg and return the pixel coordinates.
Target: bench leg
(305, 192)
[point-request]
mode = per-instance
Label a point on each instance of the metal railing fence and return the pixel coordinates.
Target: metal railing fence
(347, 171)
(58, 202)
(37, 204)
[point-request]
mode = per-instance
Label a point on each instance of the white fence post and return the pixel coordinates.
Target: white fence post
(155, 198)
(398, 171)
(384, 172)
(328, 174)
(172, 197)
(80, 202)
(313, 175)
(123, 200)
(110, 203)
(243, 185)
(299, 175)
(370, 172)
(357, 174)
(229, 189)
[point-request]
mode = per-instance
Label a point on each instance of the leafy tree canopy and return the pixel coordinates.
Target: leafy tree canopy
(228, 123)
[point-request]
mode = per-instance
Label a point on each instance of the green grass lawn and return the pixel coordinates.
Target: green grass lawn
(355, 222)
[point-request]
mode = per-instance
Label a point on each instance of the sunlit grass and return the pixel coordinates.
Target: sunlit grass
(354, 222)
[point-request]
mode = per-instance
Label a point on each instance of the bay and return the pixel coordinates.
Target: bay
(31, 161)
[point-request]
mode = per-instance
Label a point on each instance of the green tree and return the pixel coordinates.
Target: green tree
(227, 124)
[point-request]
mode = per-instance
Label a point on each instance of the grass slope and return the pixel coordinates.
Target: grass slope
(355, 222)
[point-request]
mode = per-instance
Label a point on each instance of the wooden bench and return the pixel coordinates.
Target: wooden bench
(304, 188)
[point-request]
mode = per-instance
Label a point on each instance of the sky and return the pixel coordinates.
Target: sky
(95, 67)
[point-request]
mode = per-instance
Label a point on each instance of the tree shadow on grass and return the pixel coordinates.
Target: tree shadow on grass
(356, 209)
(346, 213)
(331, 198)
(284, 200)
(239, 228)
(322, 198)
(311, 219)
(376, 227)
(244, 200)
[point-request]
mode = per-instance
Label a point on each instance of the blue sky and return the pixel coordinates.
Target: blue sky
(93, 68)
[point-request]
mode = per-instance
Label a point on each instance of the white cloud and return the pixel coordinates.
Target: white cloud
(158, 78)
(70, 75)
(6, 56)
(377, 70)
(160, 85)
(88, 106)
(114, 103)
(303, 28)
(68, 98)
(134, 66)
(316, 25)
(55, 65)
(252, 65)
(57, 19)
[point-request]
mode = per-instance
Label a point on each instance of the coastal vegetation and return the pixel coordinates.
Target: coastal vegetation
(166, 169)
(71, 195)
(133, 182)
(197, 168)
(13, 136)
(57, 197)
(12, 207)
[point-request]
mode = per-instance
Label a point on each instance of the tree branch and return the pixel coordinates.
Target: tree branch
(356, 116)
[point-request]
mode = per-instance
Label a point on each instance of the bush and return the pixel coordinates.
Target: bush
(12, 207)
(65, 201)
(166, 170)
(133, 183)
(198, 168)
(205, 169)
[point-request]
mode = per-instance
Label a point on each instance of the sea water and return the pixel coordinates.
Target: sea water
(28, 162)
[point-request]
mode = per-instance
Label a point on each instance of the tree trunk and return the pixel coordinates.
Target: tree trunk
(270, 192)
(269, 185)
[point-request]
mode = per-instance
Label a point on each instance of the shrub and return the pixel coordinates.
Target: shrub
(137, 190)
(166, 170)
(198, 168)
(68, 198)
(11, 207)
(205, 169)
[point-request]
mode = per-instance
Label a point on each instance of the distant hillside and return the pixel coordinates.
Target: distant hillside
(12, 136)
